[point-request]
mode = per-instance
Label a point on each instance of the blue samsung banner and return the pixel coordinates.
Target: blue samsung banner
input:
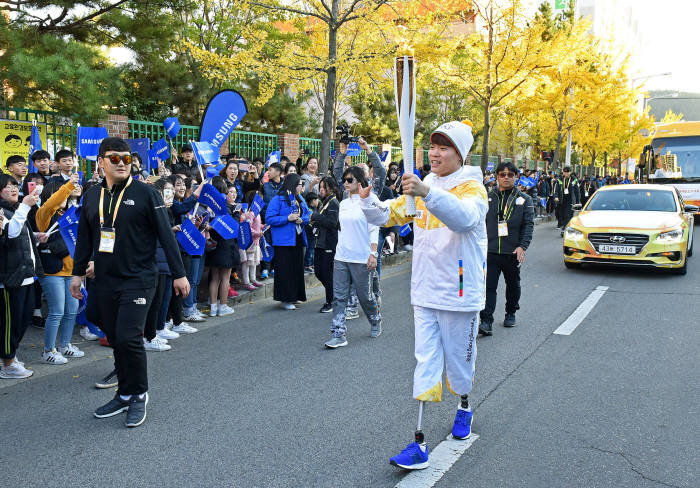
(141, 147)
(213, 198)
(490, 165)
(267, 251)
(191, 240)
(89, 139)
(34, 145)
(152, 161)
(225, 226)
(224, 112)
(205, 153)
(245, 236)
(383, 156)
(405, 230)
(274, 157)
(162, 149)
(172, 127)
(257, 205)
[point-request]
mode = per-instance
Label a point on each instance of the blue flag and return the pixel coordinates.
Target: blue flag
(214, 199)
(141, 147)
(354, 149)
(383, 156)
(70, 236)
(224, 112)
(245, 235)
(267, 251)
(257, 205)
(204, 153)
(152, 161)
(172, 127)
(191, 240)
(543, 202)
(274, 157)
(214, 170)
(490, 165)
(34, 145)
(225, 226)
(405, 230)
(89, 139)
(162, 149)
(244, 207)
(70, 217)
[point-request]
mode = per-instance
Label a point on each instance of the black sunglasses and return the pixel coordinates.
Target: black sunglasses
(115, 158)
(504, 174)
(349, 180)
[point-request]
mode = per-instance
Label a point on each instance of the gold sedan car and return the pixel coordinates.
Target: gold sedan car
(635, 225)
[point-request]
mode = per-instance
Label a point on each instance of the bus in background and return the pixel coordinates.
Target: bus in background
(673, 157)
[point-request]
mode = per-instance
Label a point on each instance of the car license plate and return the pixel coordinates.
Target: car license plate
(607, 248)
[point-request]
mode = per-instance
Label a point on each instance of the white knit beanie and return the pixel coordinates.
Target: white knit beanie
(460, 134)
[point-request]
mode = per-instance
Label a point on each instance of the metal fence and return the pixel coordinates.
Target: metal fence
(155, 130)
(60, 130)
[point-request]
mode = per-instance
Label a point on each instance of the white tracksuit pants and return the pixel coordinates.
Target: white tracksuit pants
(444, 337)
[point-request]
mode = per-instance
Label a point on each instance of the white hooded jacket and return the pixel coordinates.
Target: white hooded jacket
(449, 248)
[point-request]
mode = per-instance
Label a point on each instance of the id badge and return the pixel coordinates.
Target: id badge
(585, 194)
(107, 240)
(503, 229)
(566, 191)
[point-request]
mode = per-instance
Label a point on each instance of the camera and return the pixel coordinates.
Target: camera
(346, 134)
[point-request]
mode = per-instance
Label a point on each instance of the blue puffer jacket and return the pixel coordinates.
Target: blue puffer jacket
(284, 232)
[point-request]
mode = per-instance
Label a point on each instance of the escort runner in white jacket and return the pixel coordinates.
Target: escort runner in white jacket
(448, 274)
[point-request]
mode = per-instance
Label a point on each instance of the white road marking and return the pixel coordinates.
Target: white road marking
(570, 324)
(441, 460)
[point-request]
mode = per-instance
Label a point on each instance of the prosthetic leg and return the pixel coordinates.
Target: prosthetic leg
(420, 439)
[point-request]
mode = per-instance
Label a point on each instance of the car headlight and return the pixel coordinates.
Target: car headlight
(673, 236)
(572, 233)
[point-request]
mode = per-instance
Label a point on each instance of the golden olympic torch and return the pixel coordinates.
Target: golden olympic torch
(405, 96)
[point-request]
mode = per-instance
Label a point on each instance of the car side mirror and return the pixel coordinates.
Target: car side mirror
(691, 208)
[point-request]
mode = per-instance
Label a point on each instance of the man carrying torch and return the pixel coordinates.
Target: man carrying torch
(448, 274)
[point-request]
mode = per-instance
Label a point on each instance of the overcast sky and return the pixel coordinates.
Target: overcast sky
(671, 35)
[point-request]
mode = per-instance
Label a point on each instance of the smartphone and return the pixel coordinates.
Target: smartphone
(243, 167)
(31, 186)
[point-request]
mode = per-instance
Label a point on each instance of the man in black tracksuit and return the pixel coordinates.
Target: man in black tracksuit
(121, 221)
(567, 194)
(509, 224)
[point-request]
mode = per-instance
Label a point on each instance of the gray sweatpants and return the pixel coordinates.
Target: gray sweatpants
(345, 276)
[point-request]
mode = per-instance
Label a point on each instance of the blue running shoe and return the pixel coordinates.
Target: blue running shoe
(412, 457)
(462, 427)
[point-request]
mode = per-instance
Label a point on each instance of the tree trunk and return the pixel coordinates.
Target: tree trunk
(485, 142)
(329, 100)
(560, 137)
(487, 102)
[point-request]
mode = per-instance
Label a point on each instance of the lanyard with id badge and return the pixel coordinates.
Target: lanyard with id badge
(507, 211)
(107, 234)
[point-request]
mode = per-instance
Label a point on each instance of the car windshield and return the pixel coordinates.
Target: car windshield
(646, 200)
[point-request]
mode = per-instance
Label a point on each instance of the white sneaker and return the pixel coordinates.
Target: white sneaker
(167, 334)
(14, 371)
(184, 328)
(70, 351)
(53, 357)
(213, 310)
(351, 314)
(288, 306)
(87, 335)
(195, 317)
(157, 344)
(225, 310)
(169, 324)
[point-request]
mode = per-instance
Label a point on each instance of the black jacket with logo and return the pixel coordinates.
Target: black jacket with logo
(520, 221)
(142, 221)
(16, 263)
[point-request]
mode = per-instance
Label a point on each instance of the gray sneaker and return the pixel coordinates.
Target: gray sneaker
(351, 313)
(336, 342)
(376, 330)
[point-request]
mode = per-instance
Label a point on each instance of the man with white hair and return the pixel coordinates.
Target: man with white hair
(448, 275)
